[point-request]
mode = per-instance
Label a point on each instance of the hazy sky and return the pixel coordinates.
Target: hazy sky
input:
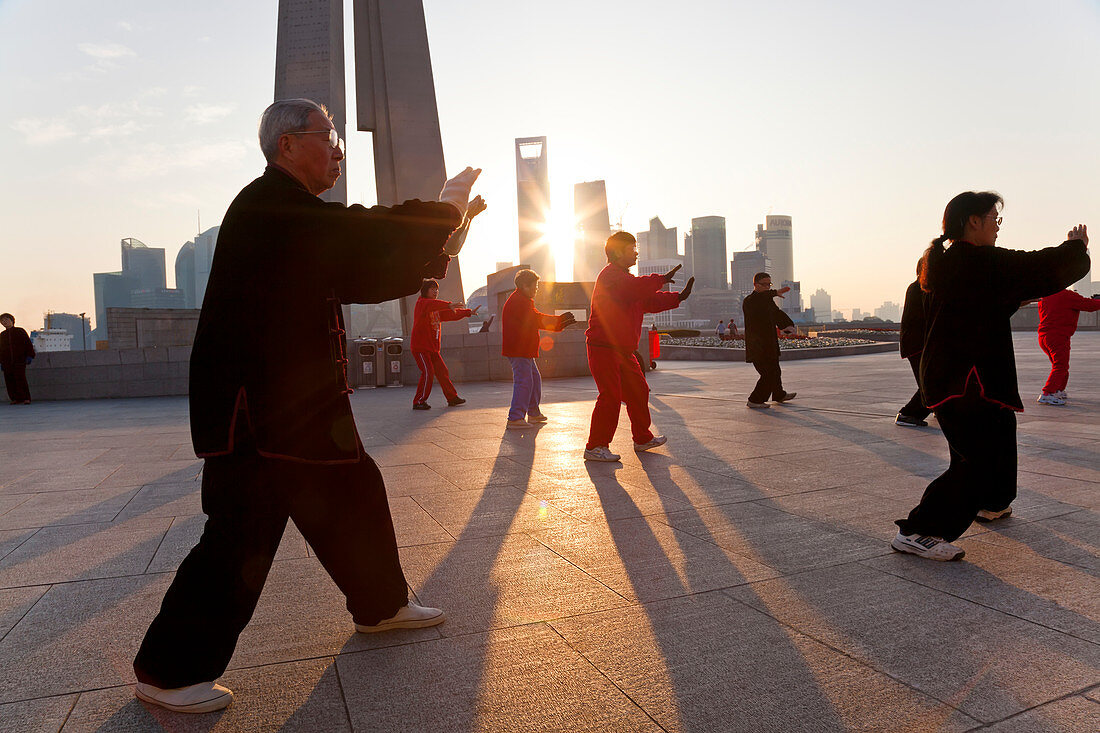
(860, 119)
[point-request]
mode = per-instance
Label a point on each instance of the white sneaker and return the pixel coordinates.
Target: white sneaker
(409, 616)
(535, 419)
(658, 440)
(520, 424)
(1061, 394)
(988, 516)
(757, 405)
(600, 453)
(1050, 399)
(932, 548)
(204, 697)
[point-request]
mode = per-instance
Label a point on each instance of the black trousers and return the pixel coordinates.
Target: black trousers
(341, 510)
(915, 406)
(770, 384)
(982, 475)
(15, 380)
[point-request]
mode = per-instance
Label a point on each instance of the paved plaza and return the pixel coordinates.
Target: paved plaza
(739, 578)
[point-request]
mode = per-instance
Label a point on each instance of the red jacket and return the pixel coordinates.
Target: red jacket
(520, 323)
(618, 302)
(429, 313)
(1058, 313)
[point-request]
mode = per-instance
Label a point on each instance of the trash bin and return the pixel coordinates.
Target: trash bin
(392, 347)
(366, 356)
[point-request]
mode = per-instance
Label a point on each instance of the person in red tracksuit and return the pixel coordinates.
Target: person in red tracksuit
(619, 300)
(1057, 323)
(429, 313)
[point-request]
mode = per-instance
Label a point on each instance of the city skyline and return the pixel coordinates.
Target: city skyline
(141, 115)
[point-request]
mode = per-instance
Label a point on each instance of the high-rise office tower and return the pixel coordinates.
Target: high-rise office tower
(502, 266)
(593, 229)
(708, 251)
(775, 241)
(791, 302)
(185, 274)
(533, 198)
(743, 267)
(144, 264)
(205, 244)
(822, 303)
(660, 241)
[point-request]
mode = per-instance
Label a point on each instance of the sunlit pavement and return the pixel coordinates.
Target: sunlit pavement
(738, 578)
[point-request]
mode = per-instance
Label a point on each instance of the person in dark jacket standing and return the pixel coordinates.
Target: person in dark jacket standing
(274, 424)
(914, 412)
(968, 368)
(16, 353)
(762, 318)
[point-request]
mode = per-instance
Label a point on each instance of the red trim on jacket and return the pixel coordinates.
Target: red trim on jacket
(981, 393)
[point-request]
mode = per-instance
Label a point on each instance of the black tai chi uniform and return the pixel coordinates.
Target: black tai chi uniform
(968, 374)
(762, 317)
(912, 344)
(271, 415)
(15, 349)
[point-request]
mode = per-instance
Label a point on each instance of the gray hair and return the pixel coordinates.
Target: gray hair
(285, 115)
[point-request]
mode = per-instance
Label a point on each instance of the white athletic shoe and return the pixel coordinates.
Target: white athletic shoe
(601, 453)
(409, 616)
(1061, 394)
(204, 697)
(1050, 399)
(658, 441)
(988, 516)
(932, 548)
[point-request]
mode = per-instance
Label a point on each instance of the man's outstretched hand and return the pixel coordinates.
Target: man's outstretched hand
(671, 274)
(568, 319)
(686, 292)
(784, 289)
(476, 206)
(457, 190)
(1079, 232)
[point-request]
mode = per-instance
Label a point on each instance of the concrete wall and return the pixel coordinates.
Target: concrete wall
(160, 372)
(139, 328)
(78, 375)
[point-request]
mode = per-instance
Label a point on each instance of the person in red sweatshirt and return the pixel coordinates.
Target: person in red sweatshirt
(520, 323)
(619, 300)
(429, 313)
(1057, 323)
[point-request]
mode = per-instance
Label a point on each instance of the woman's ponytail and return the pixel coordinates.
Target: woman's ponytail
(930, 262)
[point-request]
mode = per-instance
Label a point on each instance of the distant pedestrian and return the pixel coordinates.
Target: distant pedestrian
(429, 313)
(762, 318)
(914, 413)
(733, 331)
(1057, 323)
(274, 424)
(968, 369)
(520, 324)
(619, 300)
(721, 331)
(16, 354)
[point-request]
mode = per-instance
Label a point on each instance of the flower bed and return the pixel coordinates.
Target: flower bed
(806, 343)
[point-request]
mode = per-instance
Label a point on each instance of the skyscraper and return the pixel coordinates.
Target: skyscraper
(205, 244)
(743, 267)
(708, 251)
(822, 303)
(185, 274)
(660, 242)
(593, 229)
(776, 243)
(144, 264)
(533, 198)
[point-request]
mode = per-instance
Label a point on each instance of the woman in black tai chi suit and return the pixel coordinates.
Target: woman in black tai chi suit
(968, 368)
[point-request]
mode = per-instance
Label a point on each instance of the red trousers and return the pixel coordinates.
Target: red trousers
(1057, 350)
(619, 379)
(432, 367)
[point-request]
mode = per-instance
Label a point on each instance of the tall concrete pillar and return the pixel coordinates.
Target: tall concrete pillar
(395, 100)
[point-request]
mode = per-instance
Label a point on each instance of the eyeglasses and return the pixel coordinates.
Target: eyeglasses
(997, 219)
(334, 140)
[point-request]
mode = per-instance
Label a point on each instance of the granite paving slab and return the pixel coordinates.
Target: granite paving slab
(525, 678)
(494, 510)
(44, 715)
(986, 663)
(14, 604)
(1071, 538)
(52, 479)
(517, 580)
(67, 507)
(299, 696)
(165, 500)
(185, 532)
(162, 472)
(477, 473)
(413, 525)
(706, 662)
(83, 552)
(1075, 713)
